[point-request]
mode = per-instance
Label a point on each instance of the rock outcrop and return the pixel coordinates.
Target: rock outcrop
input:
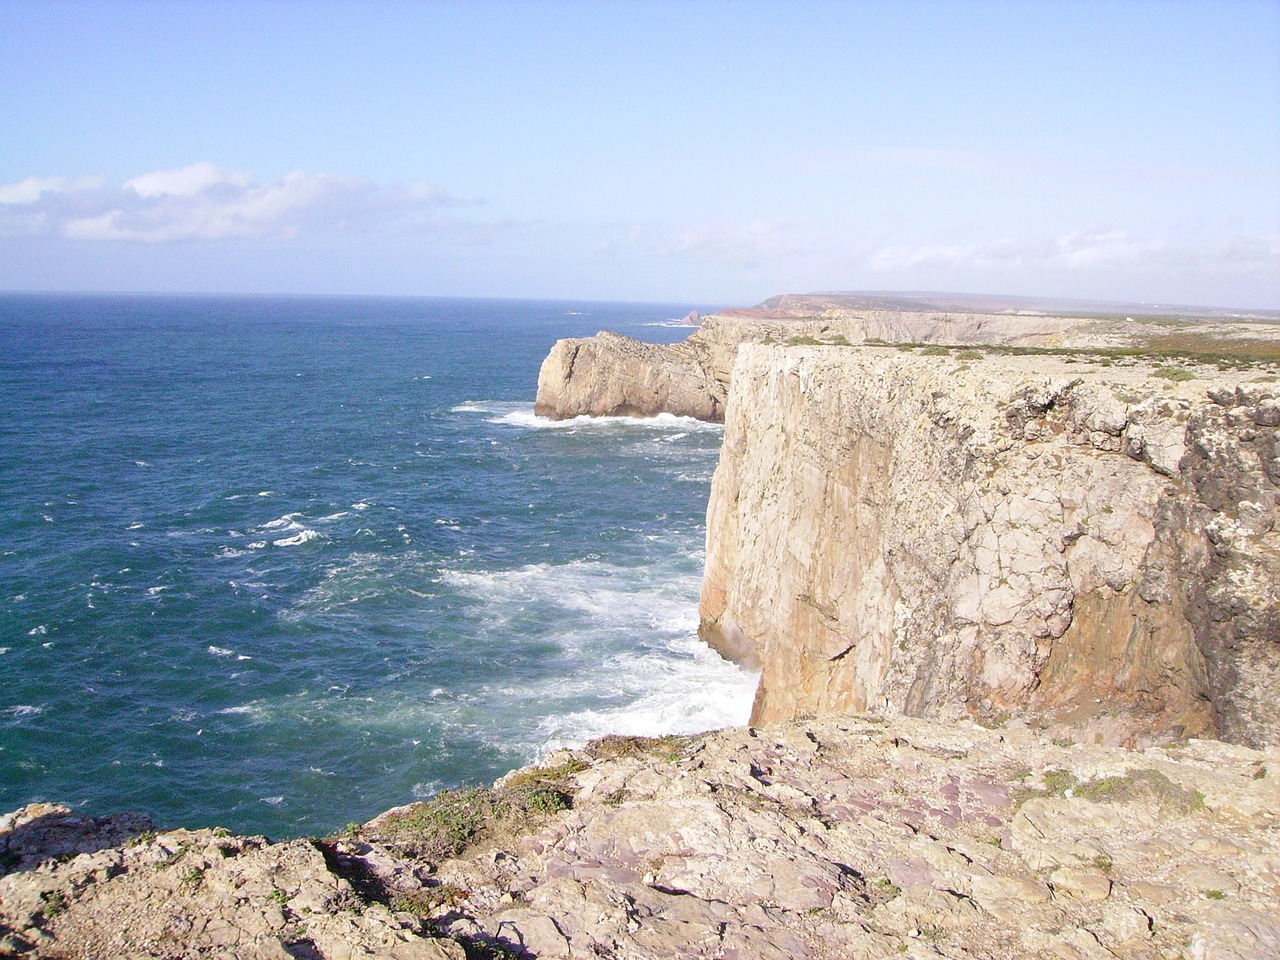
(612, 375)
(1059, 539)
(837, 838)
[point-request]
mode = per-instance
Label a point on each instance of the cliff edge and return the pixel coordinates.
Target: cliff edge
(612, 375)
(829, 839)
(1076, 539)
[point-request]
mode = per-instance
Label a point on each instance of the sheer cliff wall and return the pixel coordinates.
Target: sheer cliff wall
(1007, 537)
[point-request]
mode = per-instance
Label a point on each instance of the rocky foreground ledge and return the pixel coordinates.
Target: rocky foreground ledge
(851, 837)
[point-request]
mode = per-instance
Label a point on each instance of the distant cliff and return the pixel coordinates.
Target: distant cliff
(613, 375)
(973, 535)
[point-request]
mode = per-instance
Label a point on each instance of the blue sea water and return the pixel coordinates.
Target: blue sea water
(281, 563)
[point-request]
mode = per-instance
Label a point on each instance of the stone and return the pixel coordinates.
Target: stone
(1074, 883)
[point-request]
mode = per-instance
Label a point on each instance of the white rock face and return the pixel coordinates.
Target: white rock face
(1011, 536)
(613, 375)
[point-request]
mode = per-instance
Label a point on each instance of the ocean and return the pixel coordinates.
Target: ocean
(281, 563)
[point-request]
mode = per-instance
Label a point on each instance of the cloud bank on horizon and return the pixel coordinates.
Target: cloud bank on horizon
(711, 153)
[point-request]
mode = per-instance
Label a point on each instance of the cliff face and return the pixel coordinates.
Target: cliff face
(1010, 536)
(613, 375)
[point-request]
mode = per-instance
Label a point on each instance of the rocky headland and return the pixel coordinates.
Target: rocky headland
(1012, 583)
(829, 839)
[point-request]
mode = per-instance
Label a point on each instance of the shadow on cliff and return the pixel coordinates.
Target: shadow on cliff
(61, 834)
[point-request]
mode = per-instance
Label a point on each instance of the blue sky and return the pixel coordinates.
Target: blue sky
(713, 153)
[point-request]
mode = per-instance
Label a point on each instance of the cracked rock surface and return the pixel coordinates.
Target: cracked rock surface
(1058, 540)
(832, 838)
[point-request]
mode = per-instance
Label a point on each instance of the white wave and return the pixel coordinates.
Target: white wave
(360, 506)
(663, 421)
(686, 689)
(248, 709)
(425, 791)
(671, 323)
(39, 631)
(22, 710)
(136, 525)
(288, 522)
(265, 493)
(156, 591)
(4, 650)
(141, 463)
(304, 537)
(271, 801)
(470, 406)
(221, 651)
(334, 516)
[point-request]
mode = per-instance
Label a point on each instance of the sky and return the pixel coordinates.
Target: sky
(701, 152)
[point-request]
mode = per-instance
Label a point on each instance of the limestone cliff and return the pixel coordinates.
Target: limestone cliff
(995, 537)
(613, 375)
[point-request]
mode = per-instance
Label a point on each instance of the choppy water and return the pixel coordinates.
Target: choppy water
(281, 563)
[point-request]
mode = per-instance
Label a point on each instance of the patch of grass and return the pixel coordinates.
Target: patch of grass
(935, 350)
(278, 896)
(1059, 781)
(427, 901)
(453, 820)
(1215, 894)
(970, 355)
(443, 826)
(1197, 348)
(172, 858)
(1176, 374)
(804, 341)
(1056, 784)
(55, 902)
(1142, 784)
(615, 746)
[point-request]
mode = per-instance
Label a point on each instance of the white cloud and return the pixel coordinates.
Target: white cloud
(187, 181)
(33, 188)
(1083, 252)
(204, 202)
